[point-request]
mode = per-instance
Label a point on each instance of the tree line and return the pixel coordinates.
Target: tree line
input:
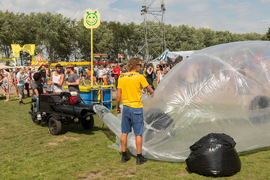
(64, 38)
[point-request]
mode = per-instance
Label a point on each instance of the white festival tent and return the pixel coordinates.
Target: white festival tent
(171, 54)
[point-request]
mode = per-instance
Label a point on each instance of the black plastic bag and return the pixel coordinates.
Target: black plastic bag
(214, 155)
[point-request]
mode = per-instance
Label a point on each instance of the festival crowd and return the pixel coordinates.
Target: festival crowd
(21, 79)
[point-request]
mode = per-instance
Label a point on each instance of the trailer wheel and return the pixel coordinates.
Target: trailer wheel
(55, 126)
(87, 122)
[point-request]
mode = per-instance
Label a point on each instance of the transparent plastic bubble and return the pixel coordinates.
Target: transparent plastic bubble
(220, 89)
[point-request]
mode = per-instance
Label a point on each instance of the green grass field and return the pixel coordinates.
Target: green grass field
(28, 151)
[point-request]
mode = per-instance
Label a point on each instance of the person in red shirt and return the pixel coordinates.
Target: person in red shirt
(116, 72)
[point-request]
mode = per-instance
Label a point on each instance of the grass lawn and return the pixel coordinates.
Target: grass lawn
(28, 151)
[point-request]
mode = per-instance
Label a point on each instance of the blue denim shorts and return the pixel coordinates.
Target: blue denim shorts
(21, 89)
(132, 117)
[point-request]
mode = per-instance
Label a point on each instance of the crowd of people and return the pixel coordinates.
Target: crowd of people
(155, 74)
(108, 74)
(21, 79)
(104, 74)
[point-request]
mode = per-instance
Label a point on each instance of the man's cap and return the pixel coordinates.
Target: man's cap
(58, 65)
(70, 66)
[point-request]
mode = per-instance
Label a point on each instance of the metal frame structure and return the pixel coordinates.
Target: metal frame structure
(154, 27)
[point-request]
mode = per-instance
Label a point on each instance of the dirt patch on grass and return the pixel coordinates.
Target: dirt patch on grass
(53, 144)
(63, 138)
(130, 173)
(127, 173)
(182, 174)
(2, 130)
(92, 176)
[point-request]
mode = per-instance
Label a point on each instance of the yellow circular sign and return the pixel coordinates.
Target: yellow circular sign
(91, 19)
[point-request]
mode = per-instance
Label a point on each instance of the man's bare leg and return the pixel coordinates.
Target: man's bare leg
(123, 140)
(139, 144)
(140, 158)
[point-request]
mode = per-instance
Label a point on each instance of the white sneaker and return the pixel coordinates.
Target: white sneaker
(39, 117)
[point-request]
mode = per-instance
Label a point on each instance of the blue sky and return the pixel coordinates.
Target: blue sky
(236, 16)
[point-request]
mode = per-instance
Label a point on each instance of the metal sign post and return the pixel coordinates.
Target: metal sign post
(91, 21)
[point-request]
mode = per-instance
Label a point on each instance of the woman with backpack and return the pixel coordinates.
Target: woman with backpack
(150, 75)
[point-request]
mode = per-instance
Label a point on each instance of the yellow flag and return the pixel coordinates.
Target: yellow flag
(30, 48)
(16, 48)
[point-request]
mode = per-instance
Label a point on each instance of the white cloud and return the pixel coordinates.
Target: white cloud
(265, 1)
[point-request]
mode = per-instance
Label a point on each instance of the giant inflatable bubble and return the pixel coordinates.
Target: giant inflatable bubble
(220, 89)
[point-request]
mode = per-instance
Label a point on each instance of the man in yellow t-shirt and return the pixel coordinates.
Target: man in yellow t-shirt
(130, 87)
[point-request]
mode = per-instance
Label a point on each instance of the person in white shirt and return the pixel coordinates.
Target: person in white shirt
(100, 75)
(77, 70)
(160, 74)
(106, 71)
(57, 79)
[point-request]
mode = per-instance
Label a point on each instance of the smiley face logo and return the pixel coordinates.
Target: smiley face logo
(91, 18)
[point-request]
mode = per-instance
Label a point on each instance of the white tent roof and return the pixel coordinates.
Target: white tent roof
(173, 54)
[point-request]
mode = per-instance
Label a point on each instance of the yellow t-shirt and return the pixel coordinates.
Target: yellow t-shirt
(131, 84)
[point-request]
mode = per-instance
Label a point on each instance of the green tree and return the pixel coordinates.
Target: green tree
(62, 38)
(9, 31)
